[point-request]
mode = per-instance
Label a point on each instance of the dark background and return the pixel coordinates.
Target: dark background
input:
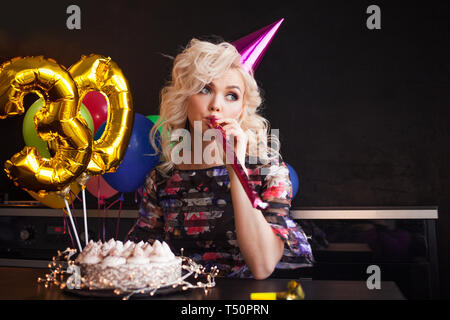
(363, 114)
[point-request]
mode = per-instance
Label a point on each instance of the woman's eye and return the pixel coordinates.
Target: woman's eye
(205, 90)
(232, 97)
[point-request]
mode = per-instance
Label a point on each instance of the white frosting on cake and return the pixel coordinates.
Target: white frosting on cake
(169, 254)
(93, 256)
(112, 261)
(128, 265)
(161, 252)
(114, 253)
(138, 256)
(148, 249)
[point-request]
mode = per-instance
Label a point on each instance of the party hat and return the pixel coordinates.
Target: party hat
(253, 46)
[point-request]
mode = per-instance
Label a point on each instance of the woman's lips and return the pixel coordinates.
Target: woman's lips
(211, 120)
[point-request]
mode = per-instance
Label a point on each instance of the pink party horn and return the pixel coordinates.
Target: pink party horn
(237, 167)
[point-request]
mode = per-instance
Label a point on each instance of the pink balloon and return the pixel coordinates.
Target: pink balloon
(97, 105)
(99, 188)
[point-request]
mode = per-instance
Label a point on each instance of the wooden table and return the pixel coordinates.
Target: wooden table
(21, 284)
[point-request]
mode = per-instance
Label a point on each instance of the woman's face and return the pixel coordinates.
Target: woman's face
(223, 98)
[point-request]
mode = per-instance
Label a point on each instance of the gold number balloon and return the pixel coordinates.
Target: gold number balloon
(95, 72)
(59, 122)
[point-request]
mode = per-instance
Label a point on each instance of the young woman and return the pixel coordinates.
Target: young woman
(198, 203)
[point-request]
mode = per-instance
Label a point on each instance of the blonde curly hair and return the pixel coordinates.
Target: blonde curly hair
(197, 65)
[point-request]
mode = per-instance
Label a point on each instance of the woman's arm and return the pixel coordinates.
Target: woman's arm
(259, 245)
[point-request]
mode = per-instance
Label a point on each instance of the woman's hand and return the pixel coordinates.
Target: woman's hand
(235, 134)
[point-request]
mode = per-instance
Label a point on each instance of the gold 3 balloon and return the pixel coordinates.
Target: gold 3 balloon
(59, 122)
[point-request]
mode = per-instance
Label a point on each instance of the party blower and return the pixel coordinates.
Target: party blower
(237, 166)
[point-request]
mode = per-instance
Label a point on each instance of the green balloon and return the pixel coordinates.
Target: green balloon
(154, 118)
(30, 134)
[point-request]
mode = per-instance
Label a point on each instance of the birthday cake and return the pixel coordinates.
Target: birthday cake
(127, 266)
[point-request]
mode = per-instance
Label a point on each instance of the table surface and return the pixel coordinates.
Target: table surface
(21, 284)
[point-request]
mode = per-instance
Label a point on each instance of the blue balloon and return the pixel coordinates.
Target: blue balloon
(294, 179)
(138, 159)
(100, 130)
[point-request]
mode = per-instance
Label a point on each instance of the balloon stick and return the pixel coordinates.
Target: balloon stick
(73, 224)
(86, 235)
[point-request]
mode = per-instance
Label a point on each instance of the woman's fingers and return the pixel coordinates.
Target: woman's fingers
(226, 121)
(232, 128)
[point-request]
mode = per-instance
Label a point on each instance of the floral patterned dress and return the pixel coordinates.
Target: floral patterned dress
(193, 210)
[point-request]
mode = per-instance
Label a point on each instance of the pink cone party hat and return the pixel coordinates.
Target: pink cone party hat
(253, 46)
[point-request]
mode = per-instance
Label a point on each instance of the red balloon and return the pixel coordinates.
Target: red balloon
(99, 188)
(97, 105)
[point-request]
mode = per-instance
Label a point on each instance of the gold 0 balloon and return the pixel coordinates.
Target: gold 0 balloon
(95, 72)
(59, 122)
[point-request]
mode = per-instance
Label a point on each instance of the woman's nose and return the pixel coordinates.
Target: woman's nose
(215, 104)
(213, 108)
